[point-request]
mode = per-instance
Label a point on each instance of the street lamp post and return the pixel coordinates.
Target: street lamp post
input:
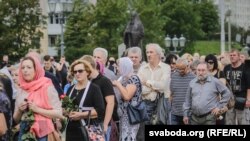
(175, 42)
(65, 6)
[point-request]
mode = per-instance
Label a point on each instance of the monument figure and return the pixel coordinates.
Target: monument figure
(134, 31)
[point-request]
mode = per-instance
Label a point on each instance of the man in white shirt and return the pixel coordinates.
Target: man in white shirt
(155, 79)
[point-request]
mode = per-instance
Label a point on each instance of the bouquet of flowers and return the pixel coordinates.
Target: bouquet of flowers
(29, 119)
(68, 105)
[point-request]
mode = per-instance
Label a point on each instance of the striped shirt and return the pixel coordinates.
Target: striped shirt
(178, 86)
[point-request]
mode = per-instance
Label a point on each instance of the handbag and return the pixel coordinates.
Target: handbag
(240, 103)
(114, 135)
(160, 116)
(92, 132)
(138, 113)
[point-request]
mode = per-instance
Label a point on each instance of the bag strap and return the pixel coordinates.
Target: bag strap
(72, 91)
(139, 97)
(81, 108)
(84, 95)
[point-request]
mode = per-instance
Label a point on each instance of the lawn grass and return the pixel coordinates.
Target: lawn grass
(211, 47)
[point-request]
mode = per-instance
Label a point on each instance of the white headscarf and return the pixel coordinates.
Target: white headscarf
(125, 66)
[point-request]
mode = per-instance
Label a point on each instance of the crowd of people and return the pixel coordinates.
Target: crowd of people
(196, 89)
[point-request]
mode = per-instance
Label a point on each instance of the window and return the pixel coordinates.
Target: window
(52, 40)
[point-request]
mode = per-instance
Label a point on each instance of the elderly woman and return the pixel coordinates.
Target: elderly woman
(84, 94)
(37, 98)
(130, 89)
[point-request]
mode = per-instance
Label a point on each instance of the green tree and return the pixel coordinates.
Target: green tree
(209, 18)
(182, 18)
(19, 27)
(91, 26)
(152, 20)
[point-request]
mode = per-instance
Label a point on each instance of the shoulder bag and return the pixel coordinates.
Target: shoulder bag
(137, 113)
(90, 132)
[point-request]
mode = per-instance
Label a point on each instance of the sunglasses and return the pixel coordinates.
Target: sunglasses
(78, 71)
(210, 62)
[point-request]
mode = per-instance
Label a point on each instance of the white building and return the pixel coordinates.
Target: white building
(240, 12)
(49, 42)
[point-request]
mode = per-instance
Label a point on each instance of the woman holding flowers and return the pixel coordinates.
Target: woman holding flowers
(37, 103)
(84, 94)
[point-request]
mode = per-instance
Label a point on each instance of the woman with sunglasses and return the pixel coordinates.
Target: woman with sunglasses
(214, 70)
(84, 94)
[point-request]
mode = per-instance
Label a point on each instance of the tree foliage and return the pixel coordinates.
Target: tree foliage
(19, 26)
(91, 26)
(103, 25)
(209, 18)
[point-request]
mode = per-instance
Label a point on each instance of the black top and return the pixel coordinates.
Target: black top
(238, 78)
(106, 87)
(55, 82)
(94, 99)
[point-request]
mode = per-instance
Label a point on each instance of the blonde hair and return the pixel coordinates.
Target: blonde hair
(88, 68)
(89, 59)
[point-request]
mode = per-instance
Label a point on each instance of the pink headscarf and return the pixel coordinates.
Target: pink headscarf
(100, 67)
(37, 93)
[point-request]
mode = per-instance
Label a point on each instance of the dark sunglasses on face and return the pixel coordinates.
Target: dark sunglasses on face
(210, 62)
(79, 71)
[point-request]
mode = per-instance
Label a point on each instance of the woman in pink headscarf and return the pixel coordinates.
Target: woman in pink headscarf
(39, 96)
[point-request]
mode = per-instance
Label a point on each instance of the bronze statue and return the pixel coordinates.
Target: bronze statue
(134, 31)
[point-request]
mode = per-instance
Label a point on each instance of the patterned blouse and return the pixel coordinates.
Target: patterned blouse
(134, 79)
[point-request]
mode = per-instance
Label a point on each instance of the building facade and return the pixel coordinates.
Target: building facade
(240, 12)
(52, 33)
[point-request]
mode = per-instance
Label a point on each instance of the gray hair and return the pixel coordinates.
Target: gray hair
(136, 50)
(182, 61)
(103, 50)
(157, 48)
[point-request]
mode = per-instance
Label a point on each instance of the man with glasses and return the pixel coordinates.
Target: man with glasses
(178, 87)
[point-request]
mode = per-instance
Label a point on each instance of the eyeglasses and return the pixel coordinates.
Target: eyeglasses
(78, 71)
(210, 62)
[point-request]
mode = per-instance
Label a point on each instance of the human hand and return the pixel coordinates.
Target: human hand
(116, 83)
(75, 115)
(33, 106)
(215, 112)
(185, 120)
(105, 128)
(247, 104)
(23, 106)
(58, 124)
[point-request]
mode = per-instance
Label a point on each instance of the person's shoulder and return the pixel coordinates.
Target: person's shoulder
(3, 98)
(193, 81)
(227, 67)
(94, 86)
(164, 65)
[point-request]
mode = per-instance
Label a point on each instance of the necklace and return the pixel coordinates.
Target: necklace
(77, 92)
